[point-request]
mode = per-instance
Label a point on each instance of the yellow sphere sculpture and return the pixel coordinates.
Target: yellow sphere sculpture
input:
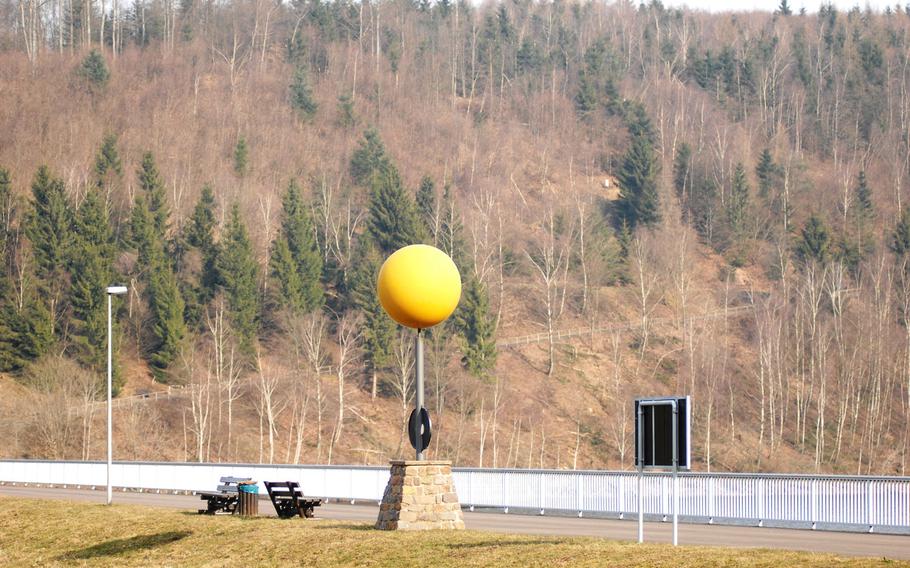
(419, 286)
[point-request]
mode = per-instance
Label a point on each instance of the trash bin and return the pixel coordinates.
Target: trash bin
(248, 498)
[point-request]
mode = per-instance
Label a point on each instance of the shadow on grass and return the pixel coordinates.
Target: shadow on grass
(498, 543)
(120, 546)
(344, 525)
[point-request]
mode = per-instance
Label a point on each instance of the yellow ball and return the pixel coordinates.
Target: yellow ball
(419, 286)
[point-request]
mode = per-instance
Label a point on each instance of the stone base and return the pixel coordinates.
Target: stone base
(420, 496)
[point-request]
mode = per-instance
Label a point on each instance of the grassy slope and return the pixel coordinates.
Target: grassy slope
(41, 533)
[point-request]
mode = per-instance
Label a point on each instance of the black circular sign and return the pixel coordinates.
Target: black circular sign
(419, 426)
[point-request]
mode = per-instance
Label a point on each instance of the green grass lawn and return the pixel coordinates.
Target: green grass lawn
(42, 533)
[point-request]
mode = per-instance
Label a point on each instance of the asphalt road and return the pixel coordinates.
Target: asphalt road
(850, 544)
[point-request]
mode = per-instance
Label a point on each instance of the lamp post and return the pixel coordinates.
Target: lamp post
(111, 291)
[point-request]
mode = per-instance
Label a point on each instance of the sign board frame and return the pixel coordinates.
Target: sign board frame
(680, 423)
(648, 413)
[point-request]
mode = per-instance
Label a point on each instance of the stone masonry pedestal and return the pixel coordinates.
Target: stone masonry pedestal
(420, 496)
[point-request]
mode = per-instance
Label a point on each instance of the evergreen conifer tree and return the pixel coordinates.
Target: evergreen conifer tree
(25, 332)
(865, 208)
(426, 204)
(201, 235)
(346, 117)
(238, 274)
(301, 94)
(476, 327)
(284, 269)
(393, 221)
(94, 70)
(49, 229)
(900, 240)
(369, 160)
(25, 335)
(378, 328)
(7, 212)
(738, 201)
(682, 174)
(638, 197)
(92, 269)
(107, 163)
(766, 172)
(150, 182)
(451, 232)
(169, 326)
(166, 304)
(296, 262)
(814, 244)
(241, 157)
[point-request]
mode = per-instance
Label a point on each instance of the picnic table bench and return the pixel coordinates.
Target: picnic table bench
(224, 500)
(288, 499)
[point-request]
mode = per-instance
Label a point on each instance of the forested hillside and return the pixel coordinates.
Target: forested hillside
(641, 201)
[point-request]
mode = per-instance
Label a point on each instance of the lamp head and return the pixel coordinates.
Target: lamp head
(116, 290)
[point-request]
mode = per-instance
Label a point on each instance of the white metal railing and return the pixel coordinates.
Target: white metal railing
(810, 501)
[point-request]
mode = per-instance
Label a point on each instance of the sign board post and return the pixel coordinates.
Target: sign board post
(662, 442)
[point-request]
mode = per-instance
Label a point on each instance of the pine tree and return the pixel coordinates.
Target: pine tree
(296, 261)
(863, 214)
(783, 9)
(586, 99)
(284, 269)
(301, 95)
(94, 70)
(241, 157)
(92, 269)
(426, 204)
(475, 325)
(393, 221)
(736, 204)
(638, 197)
(201, 235)
(25, 333)
(378, 328)
(169, 326)
(369, 160)
(142, 232)
(682, 174)
(166, 305)
(150, 182)
(451, 232)
(900, 240)
(238, 274)
(49, 229)
(865, 208)
(766, 172)
(814, 244)
(346, 117)
(7, 212)
(107, 163)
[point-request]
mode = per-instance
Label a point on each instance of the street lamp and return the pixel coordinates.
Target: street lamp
(111, 291)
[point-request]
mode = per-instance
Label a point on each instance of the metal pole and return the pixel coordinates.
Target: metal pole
(641, 463)
(109, 396)
(419, 396)
(675, 473)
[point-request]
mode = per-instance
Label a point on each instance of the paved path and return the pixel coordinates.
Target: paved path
(852, 544)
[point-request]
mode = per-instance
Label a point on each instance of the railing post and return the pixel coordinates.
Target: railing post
(578, 501)
(814, 502)
(869, 506)
(711, 508)
(471, 490)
